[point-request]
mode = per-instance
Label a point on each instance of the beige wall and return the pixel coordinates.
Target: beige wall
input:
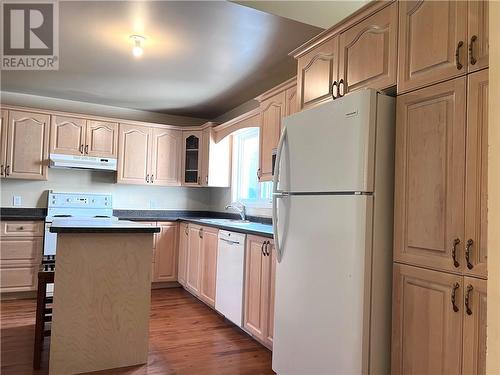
(493, 356)
(34, 193)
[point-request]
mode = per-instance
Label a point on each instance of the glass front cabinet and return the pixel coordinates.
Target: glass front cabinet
(192, 158)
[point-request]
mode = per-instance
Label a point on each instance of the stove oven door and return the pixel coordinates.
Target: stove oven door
(49, 241)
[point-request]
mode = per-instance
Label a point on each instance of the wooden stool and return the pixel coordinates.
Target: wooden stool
(43, 314)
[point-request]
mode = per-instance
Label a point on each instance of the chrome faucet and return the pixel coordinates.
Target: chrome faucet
(240, 208)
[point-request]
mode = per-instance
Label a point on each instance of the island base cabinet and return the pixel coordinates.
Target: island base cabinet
(439, 322)
(260, 264)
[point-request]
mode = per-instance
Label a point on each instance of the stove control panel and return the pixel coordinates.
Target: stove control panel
(80, 200)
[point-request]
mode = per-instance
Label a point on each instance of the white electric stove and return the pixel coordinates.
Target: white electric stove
(77, 207)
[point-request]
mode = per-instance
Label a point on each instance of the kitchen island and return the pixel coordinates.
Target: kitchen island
(102, 292)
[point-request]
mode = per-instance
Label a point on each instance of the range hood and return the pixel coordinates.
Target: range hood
(82, 162)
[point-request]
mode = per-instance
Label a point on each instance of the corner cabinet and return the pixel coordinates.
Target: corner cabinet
(260, 269)
(193, 259)
(183, 250)
(368, 52)
(25, 145)
(148, 155)
(191, 162)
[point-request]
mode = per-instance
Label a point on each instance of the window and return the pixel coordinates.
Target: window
(246, 186)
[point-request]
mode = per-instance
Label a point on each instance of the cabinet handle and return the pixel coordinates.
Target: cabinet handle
(467, 299)
(473, 60)
(81, 149)
(206, 180)
(468, 247)
(186, 230)
(334, 90)
(200, 233)
(456, 242)
(7, 170)
(198, 180)
(267, 248)
(341, 88)
(457, 55)
(20, 228)
(453, 296)
(258, 174)
(86, 149)
(1, 170)
(262, 248)
(152, 178)
(147, 178)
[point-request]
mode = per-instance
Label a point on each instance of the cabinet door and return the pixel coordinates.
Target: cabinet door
(270, 263)
(474, 338)
(191, 163)
(368, 52)
(430, 33)
(134, 158)
(208, 272)
(476, 214)
(255, 267)
(102, 139)
(291, 102)
(67, 135)
(166, 253)
(478, 34)
(194, 259)
(430, 170)
(317, 70)
(3, 140)
(27, 145)
(427, 322)
(272, 111)
(183, 249)
(166, 157)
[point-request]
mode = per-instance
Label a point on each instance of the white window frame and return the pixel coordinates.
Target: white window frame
(236, 155)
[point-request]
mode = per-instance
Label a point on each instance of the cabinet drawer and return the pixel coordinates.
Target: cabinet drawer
(21, 278)
(22, 229)
(26, 249)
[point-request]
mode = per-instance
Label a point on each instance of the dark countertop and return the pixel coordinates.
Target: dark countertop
(15, 213)
(121, 226)
(258, 229)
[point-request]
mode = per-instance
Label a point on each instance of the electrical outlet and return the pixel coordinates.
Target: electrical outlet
(17, 200)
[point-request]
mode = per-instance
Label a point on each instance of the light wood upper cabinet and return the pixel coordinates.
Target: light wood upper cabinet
(208, 269)
(272, 112)
(478, 32)
(3, 140)
(430, 170)
(215, 159)
(432, 42)
(101, 139)
(192, 155)
(183, 249)
(67, 135)
(134, 157)
(291, 101)
(27, 145)
(427, 328)
(474, 337)
(368, 52)
(194, 259)
(166, 157)
(476, 180)
(165, 259)
(317, 70)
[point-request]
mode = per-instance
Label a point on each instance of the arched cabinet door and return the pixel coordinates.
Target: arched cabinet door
(67, 135)
(191, 163)
(166, 158)
(368, 52)
(102, 139)
(134, 159)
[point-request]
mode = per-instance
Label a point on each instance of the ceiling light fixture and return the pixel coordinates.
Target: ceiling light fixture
(138, 40)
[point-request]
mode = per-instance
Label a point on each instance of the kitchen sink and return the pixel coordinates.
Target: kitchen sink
(226, 221)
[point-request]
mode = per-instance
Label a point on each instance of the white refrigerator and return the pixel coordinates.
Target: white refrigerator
(333, 219)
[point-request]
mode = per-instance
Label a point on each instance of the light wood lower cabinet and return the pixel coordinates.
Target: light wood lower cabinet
(21, 248)
(368, 52)
(165, 256)
(430, 170)
(193, 259)
(26, 145)
(208, 265)
(183, 252)
(260, 266)
(439, 323)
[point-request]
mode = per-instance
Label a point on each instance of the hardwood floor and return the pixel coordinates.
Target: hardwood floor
(186, 337)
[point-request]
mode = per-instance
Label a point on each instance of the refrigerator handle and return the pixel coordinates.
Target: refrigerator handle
(276, 195)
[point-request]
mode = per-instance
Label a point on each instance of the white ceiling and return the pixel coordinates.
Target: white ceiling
(201, 58)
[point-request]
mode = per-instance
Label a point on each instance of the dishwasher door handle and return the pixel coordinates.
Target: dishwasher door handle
(230, 242)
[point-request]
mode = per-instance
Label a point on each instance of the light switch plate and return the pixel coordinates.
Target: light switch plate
(17, 200)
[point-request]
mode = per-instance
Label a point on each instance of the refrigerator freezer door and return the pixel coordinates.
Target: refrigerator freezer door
(323, 285)
(331, 148)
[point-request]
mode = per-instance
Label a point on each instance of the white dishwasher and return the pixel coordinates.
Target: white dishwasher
(230, 276)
